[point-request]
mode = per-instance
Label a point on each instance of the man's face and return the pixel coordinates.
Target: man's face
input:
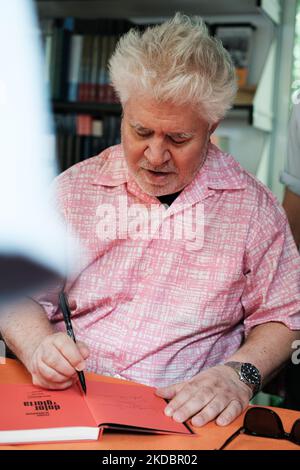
(164, 144)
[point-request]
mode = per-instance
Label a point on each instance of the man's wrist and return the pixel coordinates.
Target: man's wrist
(248, 373)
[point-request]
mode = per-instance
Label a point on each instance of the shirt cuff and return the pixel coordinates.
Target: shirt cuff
(291, 182)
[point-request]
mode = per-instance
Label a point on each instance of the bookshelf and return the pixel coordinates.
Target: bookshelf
(95, 109)
(249, 126)
(157, 9)
(243, 101)
(260, 144)
(85, 108)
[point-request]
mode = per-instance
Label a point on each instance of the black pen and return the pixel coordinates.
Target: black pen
(65, 308)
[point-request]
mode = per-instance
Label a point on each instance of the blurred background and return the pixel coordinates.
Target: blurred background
(261, 35)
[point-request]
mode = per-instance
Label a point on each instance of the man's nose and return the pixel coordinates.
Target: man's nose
(157, 153)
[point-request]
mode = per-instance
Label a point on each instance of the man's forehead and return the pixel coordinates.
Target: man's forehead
(169, 118)
(168, 124)
(174, 130)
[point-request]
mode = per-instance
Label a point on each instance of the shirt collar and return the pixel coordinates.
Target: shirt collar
(219, 172)
(223, 171)
(112, 169)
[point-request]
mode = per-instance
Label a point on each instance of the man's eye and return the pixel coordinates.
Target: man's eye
(143, 134)
(177, 140)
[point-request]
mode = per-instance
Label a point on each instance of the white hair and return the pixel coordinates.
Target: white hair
(176, 61)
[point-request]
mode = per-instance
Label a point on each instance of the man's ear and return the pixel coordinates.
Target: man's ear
(213, 128)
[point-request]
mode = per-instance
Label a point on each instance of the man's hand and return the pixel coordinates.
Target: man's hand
(214, 393)
(55, 361)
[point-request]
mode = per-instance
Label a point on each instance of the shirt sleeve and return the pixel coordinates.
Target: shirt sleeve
(272, 291)
(48, 298)
(290, 177)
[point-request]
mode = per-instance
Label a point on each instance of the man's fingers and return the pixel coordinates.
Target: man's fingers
(169, 392)
(209, 395)
(188, 409)
(40, 382)
(84, 350)
(232, 411)
(51, 375)
(69, 351)
(55, 360)
(209, 412)
(188, 401)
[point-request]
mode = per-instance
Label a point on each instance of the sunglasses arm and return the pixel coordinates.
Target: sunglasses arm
(230, 439)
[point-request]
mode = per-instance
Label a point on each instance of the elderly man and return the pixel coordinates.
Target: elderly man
(200, 298)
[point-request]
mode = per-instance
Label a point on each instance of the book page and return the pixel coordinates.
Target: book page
(24, 406)
(130, 405)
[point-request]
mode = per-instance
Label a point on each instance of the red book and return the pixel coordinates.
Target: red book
(31, 414)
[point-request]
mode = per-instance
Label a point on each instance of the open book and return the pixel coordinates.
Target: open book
(30, 414)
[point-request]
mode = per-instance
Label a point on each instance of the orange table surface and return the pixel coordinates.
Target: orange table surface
(208, 437)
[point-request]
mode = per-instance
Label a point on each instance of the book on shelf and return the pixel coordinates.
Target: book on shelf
(77, 52)
(31, 414)
(76, 44)
(80, 136)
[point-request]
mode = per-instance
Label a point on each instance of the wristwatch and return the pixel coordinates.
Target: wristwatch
(248, 373)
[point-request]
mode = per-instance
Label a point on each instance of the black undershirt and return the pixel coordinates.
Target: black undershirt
(168, 198)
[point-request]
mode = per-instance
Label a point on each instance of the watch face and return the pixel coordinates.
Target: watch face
(250, 373)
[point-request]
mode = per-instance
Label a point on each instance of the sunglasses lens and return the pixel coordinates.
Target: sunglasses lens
(295, 434)
(263, 422)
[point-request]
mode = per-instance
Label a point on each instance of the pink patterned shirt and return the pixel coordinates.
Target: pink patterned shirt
(158, 309)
